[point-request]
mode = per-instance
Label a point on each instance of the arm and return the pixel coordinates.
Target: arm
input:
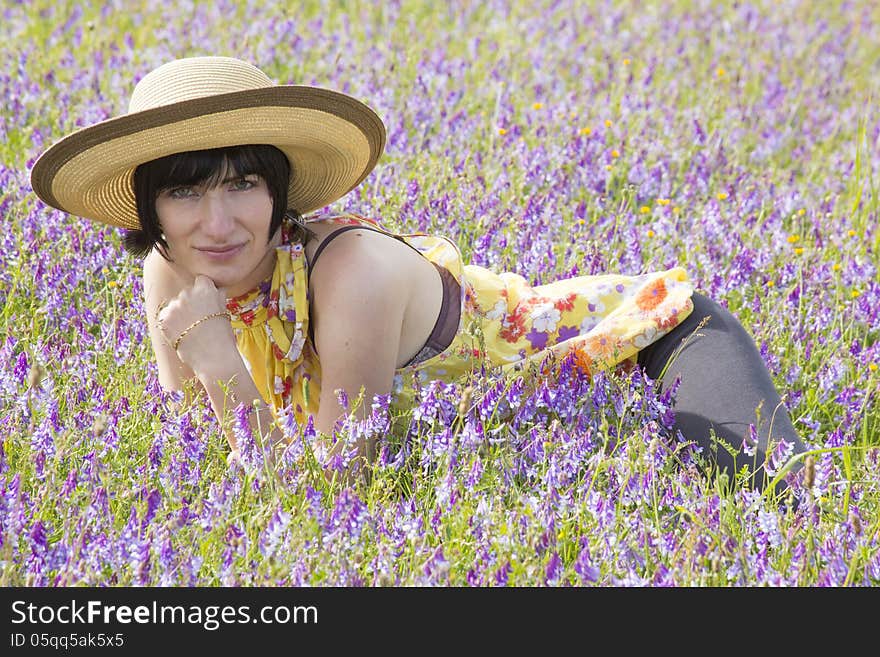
(360, 294)
(209, 349)
(207, 353)
(162, 284)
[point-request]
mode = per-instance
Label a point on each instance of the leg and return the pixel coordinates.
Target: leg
(723, 383)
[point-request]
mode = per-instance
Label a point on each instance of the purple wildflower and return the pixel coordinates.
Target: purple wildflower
(554, 570)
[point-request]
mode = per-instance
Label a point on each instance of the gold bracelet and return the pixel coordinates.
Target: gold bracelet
(176, 343)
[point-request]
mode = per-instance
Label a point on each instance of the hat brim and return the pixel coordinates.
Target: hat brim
(332, 140)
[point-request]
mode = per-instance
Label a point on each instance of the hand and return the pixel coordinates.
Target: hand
(183, 325)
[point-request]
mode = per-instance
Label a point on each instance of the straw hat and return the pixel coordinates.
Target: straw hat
(332, 140)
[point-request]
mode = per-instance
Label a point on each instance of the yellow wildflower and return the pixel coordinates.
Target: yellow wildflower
(644, 209)
(585, 130)
(855, 293)
(502, 131)
(872, 367)
(719, 72)
(537, 105)
(650, 233)
(615, 153)
(851, 233)
(793, 238)
(835, 266)
(608, 123)
(721, 196)
(799, 250)
(801, 212)
(770, 283)
(626, 62)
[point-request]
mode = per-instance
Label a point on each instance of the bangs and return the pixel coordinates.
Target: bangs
(210, 167)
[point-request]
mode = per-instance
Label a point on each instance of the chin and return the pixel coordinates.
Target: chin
(223, 281)
(231, 283)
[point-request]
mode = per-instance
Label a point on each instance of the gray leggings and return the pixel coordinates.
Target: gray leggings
(723, 381)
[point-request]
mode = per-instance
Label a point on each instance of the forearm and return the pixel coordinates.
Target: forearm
(228, 385)
(193, 331)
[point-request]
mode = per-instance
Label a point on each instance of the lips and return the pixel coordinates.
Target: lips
(220, 252)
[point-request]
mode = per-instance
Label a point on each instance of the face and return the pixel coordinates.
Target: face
(220, 232)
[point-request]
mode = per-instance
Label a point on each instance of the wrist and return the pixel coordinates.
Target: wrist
(210, 349)
(228, 387)
(224, 369)
(182, 335)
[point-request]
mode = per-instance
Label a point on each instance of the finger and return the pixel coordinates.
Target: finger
(204, 281)
(160, 323)
(209, 284)
(165, 308)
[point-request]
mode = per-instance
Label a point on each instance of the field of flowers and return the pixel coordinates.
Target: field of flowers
(549, 138)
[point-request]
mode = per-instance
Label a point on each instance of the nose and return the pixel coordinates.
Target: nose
(217, 218)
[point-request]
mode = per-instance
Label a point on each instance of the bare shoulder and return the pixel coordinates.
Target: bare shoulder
(373, 293)
(362, 264)
(161, 271)
(161, 279)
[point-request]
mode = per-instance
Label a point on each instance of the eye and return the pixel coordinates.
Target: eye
(243, 184)
(181, 193)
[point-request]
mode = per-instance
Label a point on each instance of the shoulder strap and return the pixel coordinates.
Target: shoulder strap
(339, 232)
(329, 239)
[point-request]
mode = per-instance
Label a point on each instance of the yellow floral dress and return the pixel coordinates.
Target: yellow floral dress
(505, 323)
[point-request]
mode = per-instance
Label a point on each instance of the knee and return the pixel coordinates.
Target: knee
(706, 306)
(719, 317)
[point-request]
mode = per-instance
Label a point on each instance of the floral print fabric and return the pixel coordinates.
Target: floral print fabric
(598, 321)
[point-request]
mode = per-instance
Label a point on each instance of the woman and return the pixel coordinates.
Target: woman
(211, 172)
